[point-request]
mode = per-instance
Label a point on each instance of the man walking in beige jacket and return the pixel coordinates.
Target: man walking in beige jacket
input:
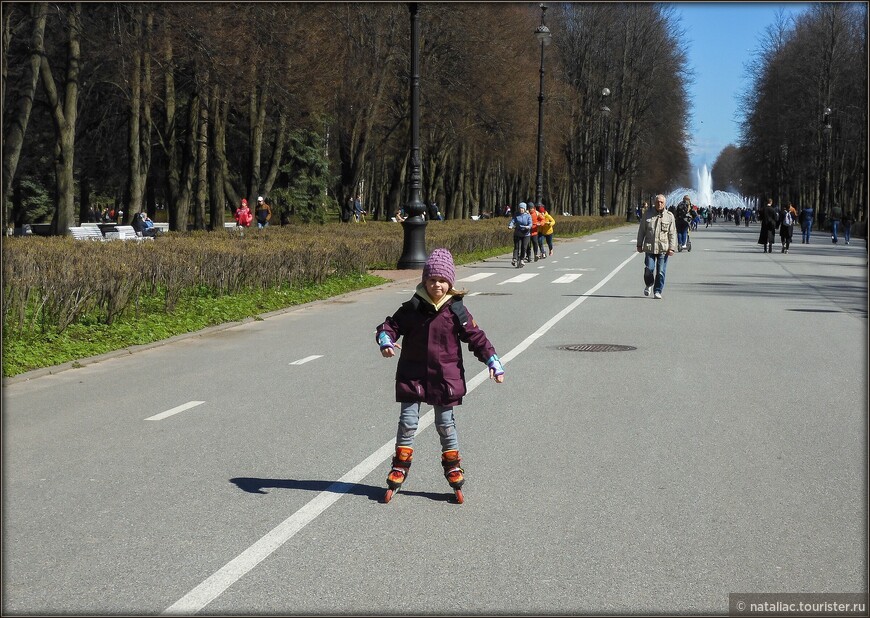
(657, 239)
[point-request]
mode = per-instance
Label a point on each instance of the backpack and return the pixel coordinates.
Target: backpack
(788, 218)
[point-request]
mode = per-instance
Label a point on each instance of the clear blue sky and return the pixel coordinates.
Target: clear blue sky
(722, 39)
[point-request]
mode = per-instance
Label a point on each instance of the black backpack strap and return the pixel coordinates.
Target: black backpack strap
(458, 309)
(412, 304)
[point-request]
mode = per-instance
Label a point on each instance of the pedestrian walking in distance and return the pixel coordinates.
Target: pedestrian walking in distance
(433, 324)
(521, 224)
(657, 239)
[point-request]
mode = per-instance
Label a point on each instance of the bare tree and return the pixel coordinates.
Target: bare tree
(64, 108)
(13, 140)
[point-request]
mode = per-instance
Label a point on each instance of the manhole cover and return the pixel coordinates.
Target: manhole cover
(597, 347)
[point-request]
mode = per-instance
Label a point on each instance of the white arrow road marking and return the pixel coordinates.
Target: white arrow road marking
(302, 361)
(176, 410)
(568, 278)
(235, 569)
(476, 277)
(520, 278)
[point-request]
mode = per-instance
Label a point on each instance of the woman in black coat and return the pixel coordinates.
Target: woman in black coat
(767, 216)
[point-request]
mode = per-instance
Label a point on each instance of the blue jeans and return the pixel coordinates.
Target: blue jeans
(262, 225)
(409, 419)
(654, 267)
(807, 230)
(835, 225)
(682, 237)
(847, 232)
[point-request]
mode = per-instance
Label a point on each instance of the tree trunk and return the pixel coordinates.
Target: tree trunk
(139, 141)
(218, 162)
(257, 110)
(64, 114)
(170, 147)
(180, 211)
(14, 138)
(202, 159)
(277, 152)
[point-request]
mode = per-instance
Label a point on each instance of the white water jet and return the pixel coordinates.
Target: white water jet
(702, 195)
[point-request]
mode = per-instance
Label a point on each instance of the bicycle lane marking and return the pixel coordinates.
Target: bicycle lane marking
(235, 569)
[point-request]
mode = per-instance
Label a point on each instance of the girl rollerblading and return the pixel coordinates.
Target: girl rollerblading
(433, 324)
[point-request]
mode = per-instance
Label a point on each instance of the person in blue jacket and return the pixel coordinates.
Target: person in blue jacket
(521, 224)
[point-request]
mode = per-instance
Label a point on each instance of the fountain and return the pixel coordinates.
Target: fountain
(703, 195)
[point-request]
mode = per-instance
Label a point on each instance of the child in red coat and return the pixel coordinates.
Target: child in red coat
(243, 214)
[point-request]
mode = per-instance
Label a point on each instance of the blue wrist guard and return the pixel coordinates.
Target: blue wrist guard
(495, 364)
(384, 340)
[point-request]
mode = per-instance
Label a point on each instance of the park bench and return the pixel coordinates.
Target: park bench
(126, 232)
(86, 233)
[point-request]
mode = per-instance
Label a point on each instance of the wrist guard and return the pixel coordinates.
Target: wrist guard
(384, 340)
(495, 364)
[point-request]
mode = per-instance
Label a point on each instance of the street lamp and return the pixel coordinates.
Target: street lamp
(826, 198)
(605, 115)
(544, 36)
(414, 244)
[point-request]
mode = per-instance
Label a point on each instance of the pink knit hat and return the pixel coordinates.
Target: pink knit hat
(440, 264)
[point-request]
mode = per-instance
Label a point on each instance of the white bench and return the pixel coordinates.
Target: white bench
(126, 232)
(86, 232)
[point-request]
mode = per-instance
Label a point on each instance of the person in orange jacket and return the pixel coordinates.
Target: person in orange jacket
(537, 220)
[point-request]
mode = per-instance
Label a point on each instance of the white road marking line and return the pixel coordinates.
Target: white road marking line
(476, 277)
(235, 569)
(568, 278)
(520, 278)
(302, 361)
(613, 240)
(473, 294)
(175, 410)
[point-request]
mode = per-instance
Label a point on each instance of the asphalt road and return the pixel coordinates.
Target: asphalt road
(241, 471)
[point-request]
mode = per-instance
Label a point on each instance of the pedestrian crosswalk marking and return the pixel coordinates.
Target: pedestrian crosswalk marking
(476, 277)
(520, 278)
(568, 278)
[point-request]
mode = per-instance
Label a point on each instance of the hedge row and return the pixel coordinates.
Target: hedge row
(51, 282)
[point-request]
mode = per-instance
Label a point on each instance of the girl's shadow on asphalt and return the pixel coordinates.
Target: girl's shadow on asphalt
(372, 492)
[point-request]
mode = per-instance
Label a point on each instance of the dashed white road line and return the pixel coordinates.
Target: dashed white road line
(568, 278)
(302, 361)
(175, 410)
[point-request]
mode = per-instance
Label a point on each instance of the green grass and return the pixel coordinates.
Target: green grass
(146, 322)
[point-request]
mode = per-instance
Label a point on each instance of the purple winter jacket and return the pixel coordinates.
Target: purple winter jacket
(430, 365)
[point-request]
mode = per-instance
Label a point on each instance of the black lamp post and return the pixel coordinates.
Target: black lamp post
(544, 36)
(826, 198)
(414, 246)
(605, 115)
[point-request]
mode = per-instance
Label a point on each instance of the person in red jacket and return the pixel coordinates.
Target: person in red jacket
(537, 220)
(433, 325)
(243, 214)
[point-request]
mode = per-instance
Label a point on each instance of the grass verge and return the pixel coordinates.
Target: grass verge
(147, 322)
